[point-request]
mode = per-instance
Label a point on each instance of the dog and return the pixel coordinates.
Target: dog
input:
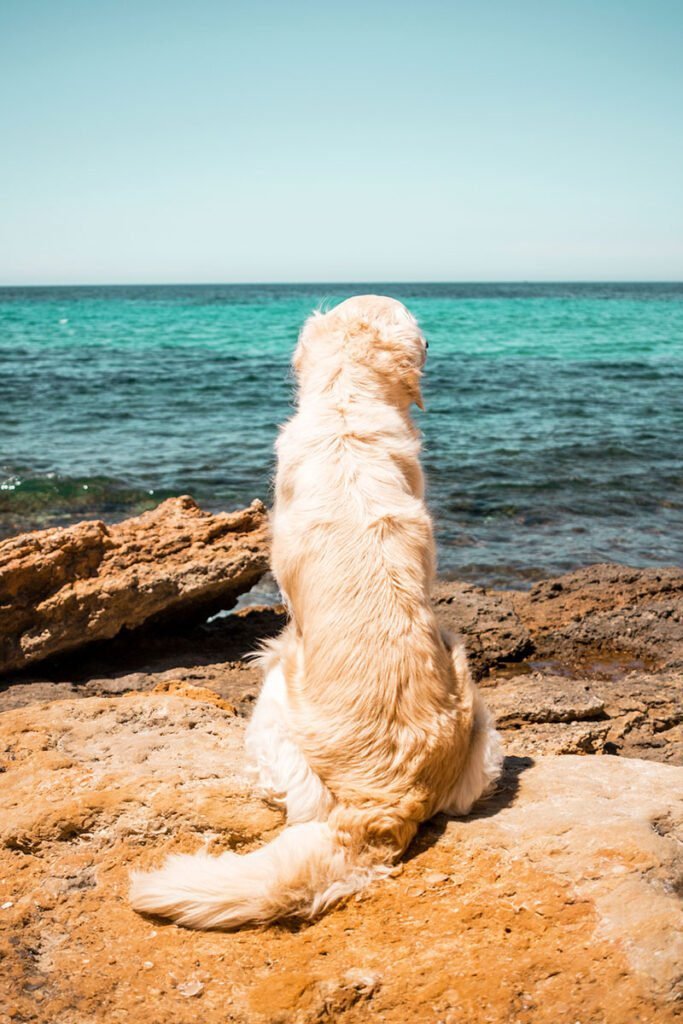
(368, 722)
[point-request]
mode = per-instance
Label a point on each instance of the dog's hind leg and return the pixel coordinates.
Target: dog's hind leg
(484, 761)
(483, 765)
(280, 771)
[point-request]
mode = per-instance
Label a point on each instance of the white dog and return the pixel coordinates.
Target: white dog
(368, 722)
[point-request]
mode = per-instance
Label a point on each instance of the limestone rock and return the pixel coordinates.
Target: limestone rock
(589, 662)
(551, 695)
(487, 620)
(603, 611)
(607, 608)
(558, 901)
(62, 588)
(637, 715)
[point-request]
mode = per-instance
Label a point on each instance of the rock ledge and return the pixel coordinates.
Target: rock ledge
(557, 902)
(62, 588)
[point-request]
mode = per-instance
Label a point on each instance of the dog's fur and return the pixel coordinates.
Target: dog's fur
(368, 722)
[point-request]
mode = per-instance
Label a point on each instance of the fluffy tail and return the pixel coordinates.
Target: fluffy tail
(301, 872)
(309, 866)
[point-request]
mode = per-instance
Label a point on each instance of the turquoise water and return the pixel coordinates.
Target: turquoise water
(552, 432)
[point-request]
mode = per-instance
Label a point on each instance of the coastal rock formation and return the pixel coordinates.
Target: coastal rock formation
(589, 662)
(487, 620)
(638, 714)
(603, 611)
(550, 694)
(209, 654)
(62, 588)
(610, 609)
(557, 901)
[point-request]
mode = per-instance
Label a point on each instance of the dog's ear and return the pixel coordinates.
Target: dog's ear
(411, 381)
(307, 338)
(382, 348)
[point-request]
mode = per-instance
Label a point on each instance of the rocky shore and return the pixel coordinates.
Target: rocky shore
(63, 588)
(120, 739)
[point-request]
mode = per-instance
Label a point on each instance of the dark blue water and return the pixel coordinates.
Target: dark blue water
(552, 433)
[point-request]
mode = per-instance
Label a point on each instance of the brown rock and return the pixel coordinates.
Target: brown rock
(637, 715)
(181, 688)
(543, 698)
(602, 611)
(487, 620)
(62, 588)
(551, 695)
(210, 655)
(590, 662)
(607, 609)
(564, 886)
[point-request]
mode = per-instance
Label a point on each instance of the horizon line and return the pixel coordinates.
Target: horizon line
(349, 281)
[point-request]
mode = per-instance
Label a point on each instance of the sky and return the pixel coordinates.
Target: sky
(151, 142)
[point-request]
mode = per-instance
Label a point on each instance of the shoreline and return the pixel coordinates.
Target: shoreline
(590, 662)
(180, 597)
(501, 577)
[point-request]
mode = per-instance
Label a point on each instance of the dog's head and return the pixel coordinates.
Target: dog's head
(371, 333)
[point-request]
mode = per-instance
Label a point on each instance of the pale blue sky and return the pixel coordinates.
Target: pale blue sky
(293, 141)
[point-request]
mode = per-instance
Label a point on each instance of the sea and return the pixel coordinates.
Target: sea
(553, 427)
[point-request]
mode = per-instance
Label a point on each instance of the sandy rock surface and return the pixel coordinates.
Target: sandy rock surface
(62, 588)
(488, 621)
(557, 902)
(589, 662)
(605, 607)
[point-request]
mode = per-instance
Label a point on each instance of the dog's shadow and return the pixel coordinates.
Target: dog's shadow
(503, 796)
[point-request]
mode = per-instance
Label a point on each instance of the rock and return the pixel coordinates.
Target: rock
(184, 689)
(566, 884)
(19, 694)
(190, 988)
(62, 588)
(590, 662)
(551, 695)
(436, 877)
(544, 698)
(487, 620)
(210, 654)
(638, 715)
(607, 609)
(543, 714)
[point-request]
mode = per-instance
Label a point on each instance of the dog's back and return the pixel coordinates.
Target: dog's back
(376, 703)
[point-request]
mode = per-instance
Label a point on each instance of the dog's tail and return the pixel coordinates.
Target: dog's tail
(300, 873)
(311, 865)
